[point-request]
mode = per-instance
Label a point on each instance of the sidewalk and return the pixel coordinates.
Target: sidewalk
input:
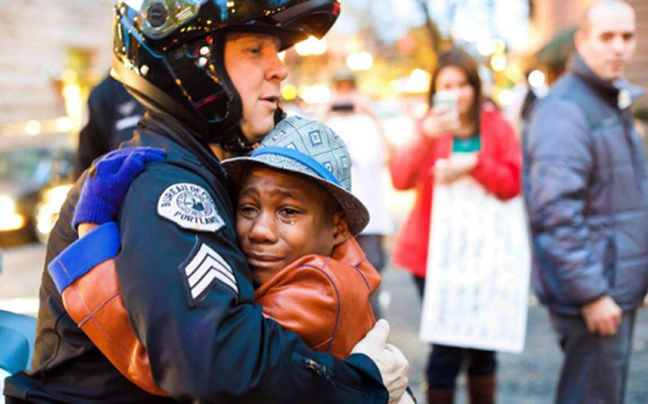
(528, 378)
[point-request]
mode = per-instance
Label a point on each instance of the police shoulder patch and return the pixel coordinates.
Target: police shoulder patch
(190, 206)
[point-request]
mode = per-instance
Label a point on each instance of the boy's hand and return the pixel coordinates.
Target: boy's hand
(107, 183)
(391, 362)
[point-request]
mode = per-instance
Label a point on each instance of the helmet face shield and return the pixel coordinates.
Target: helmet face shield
(291, 20)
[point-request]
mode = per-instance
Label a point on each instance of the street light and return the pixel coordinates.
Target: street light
(498, 62)
(288, 92)
(63, 124)
(311, 46)
(486, 46)
(359, 61)
(506, 97)
(419, 81)
(537, 79)
(32, 127)
(316, 94)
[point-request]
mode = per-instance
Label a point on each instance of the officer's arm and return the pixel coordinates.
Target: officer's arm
(189, 299)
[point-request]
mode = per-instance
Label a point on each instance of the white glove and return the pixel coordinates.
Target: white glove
(391, 362)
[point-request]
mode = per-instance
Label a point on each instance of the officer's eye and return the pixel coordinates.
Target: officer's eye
(256, 50)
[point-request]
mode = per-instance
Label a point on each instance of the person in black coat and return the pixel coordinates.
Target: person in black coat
(112, 116)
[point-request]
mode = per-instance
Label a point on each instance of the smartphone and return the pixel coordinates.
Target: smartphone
(343, 107)
(447, 100)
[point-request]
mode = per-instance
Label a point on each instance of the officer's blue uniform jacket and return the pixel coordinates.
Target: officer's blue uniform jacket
(207, 340)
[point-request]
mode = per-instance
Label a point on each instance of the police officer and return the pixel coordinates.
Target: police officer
(208, 73)
(112, 116)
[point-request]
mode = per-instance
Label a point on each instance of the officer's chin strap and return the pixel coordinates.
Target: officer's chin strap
(240, 146)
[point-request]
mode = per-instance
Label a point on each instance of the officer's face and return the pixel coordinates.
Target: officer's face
(256, 71)
(282, 217)
(607, 41)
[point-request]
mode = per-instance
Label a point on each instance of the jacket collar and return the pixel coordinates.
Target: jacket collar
(610, 91)
(167, 127)
(349, 252)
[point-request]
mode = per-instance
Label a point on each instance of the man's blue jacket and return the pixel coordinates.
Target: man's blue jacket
(586, 192)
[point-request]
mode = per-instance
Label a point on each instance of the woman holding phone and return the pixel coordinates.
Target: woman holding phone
(460, 135)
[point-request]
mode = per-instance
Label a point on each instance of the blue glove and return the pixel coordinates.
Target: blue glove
(107, 183)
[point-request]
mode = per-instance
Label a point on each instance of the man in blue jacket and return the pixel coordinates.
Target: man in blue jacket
(587, 196)
(208, 73)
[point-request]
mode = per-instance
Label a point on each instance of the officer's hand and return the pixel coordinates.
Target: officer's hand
(602, 316)
(390, 361)
(107, 183)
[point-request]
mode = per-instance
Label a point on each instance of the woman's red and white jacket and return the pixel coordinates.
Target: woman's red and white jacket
(498, 169)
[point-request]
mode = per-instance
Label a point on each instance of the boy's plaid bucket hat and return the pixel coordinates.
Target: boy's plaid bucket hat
(310, 148)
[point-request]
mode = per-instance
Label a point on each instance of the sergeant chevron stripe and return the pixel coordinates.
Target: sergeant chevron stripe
(205, 267)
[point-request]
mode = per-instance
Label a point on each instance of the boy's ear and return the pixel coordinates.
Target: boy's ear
(342, 232)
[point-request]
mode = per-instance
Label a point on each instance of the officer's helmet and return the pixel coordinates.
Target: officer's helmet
(170, 53)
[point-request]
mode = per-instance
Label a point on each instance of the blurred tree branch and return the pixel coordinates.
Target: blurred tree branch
(431, 26)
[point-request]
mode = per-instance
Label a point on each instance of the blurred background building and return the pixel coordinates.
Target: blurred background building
(52, 53)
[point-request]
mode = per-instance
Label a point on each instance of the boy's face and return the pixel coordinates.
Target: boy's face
(282, 217)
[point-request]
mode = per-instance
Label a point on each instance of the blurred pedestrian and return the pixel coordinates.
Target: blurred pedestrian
(533, 95)
(587, 197)
(112, 116)
(526, 97)
(351, 116)
(485, 146)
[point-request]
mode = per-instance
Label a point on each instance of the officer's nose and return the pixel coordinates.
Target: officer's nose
(276, 69)
(263, 229)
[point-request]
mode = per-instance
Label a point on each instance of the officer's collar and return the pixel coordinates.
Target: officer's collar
(168, 127)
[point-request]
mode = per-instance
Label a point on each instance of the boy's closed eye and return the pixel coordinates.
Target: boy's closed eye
(247, 211)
